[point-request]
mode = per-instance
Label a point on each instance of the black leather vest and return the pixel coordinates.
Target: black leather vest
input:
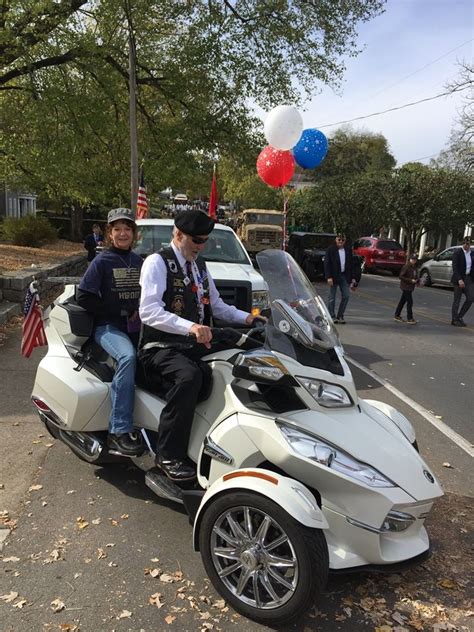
(180, 298)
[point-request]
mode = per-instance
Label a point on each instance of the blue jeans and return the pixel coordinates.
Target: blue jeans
(120, 347)
(343, 284)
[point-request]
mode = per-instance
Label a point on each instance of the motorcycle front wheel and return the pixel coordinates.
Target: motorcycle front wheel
(265, 564)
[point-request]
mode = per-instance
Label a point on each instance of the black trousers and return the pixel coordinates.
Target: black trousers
(182, 379)
(468, 291)
(407, 297)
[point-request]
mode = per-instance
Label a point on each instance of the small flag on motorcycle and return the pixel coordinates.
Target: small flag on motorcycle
(33, 334)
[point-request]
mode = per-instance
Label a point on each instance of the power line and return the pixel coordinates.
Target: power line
(399, 107)
(420, 69)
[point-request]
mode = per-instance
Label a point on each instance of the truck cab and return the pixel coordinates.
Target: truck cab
(260, 229)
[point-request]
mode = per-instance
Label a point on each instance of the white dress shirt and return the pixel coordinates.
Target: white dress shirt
(342, 257)
(467, 254)
(152, 307)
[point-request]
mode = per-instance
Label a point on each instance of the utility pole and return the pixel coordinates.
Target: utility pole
(132, 88)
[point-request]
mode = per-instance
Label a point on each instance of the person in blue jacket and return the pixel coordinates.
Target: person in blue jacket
(110, 290)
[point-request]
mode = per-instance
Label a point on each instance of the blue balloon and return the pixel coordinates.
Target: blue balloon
(311, 149)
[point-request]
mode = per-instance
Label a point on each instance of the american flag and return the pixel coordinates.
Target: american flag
(33, 329)
(142, 202)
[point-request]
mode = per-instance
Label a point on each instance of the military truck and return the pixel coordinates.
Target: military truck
(260, 229)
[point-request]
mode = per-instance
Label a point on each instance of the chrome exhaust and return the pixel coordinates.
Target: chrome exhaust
(86, 445)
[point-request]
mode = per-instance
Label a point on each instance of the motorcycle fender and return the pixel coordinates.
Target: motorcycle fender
(286, 492)
(395, 415)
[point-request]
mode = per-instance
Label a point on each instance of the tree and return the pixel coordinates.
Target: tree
(422, 198)
(352, 152)
(459, 154)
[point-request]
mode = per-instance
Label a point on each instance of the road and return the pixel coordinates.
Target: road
(91, 538)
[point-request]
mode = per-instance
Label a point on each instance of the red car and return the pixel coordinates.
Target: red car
(380, 254)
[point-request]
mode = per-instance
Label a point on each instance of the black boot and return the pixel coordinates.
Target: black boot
(127, 444)
(175, 469)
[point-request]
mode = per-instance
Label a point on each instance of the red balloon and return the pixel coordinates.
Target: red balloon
(275, 166)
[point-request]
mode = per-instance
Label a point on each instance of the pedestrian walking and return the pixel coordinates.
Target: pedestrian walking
(408, 281)
(340, 273)
(463, 282)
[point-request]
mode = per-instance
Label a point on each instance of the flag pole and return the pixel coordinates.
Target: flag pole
(132, 86)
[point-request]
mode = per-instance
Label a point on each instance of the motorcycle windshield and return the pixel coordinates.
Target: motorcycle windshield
(297, 310)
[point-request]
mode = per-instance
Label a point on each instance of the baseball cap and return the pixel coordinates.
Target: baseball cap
(120, 213)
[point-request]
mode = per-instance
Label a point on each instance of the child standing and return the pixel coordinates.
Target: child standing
(408, 281)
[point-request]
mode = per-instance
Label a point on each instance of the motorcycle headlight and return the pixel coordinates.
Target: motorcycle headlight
(326, 394)
(260, 301)
(326, 454)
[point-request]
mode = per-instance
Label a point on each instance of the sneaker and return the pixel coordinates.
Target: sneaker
(341, 321)
(399, 319)
(411, 321)
(458, 323)
(463, 324)
(126, 444)
(335, 320)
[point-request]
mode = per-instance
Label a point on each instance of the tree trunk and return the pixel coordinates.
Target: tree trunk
(77, 216)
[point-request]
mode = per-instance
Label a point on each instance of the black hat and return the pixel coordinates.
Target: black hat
(120, 213)
(194, 223)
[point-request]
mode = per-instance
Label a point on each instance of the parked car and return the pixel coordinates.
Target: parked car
(308, 250)
(380, 254)
(235, 277)
(438, 271)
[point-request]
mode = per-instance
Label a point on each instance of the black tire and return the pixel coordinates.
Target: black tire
(365, 269)
(301, 551)
(425, 278)
(308, 269)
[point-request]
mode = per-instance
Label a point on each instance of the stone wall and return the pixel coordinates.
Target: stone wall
(51, 280)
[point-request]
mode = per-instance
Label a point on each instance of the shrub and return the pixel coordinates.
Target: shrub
(28, 231)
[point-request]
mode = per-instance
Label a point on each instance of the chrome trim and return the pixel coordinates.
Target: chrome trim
(89, 447)
(362, 525)
(216, 452)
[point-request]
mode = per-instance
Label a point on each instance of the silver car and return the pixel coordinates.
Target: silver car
(438, 271)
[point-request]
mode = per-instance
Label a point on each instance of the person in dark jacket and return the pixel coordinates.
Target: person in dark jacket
(92, 241)
(408, 282)
(110, 290)
(463, 282)
(178, 298)
(340, 273)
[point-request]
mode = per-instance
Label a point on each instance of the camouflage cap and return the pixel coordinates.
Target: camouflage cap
(120, 213)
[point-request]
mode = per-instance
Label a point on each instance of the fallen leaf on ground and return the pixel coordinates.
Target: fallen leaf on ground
(20, 604)
(101, 554)
(447, 583)
(11, 596)
(57, 605)
(153, 572)
(448, 465)
(96, 521)
(11, 559)
(155, 600)
(169, 619)
(220, 603)
(68, 627)
(125, 614)
(81, 523)
(125, 516)
(167, 579)
(35, 488)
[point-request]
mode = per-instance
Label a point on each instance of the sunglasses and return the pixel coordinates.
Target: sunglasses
(199, 240)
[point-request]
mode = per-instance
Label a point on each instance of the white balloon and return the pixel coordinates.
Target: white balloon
(283, 127)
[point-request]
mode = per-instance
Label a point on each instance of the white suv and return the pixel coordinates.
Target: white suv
(235, 277)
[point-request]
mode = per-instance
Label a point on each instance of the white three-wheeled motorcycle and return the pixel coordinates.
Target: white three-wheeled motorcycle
(296, 475)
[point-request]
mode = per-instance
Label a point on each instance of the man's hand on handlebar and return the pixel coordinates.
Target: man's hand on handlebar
(255, 320)
(203, 334)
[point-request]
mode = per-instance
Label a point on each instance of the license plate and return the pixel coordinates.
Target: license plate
(391, 257)
(265, 241)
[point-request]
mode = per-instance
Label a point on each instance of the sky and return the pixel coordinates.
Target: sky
(412, 37)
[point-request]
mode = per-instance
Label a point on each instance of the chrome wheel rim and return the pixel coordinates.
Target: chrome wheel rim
(254, 557)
